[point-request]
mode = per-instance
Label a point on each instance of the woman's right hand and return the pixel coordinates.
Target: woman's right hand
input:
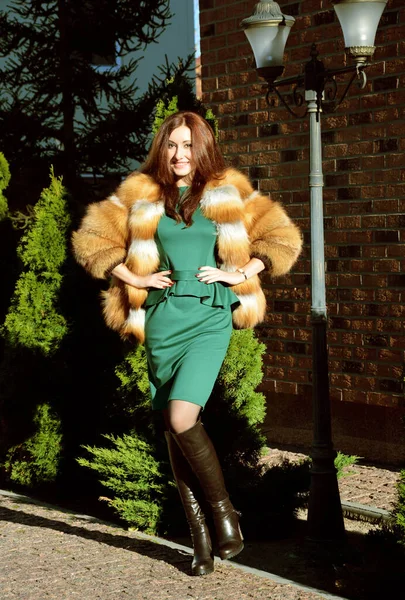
(157, 280)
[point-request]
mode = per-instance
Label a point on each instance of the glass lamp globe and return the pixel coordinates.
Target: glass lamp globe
(267, 31)
(359, 21)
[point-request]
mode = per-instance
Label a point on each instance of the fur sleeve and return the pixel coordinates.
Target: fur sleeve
(273, 237)
(100, 244)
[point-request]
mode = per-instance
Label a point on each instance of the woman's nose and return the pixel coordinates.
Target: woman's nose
(179, 153)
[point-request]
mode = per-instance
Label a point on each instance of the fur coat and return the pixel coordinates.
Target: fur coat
(122, 229)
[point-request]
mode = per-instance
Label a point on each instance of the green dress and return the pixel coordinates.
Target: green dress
(187, 326)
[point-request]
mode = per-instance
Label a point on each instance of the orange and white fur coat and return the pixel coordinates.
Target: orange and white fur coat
(122, 229)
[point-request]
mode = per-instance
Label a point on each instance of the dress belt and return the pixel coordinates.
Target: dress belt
(184, 275)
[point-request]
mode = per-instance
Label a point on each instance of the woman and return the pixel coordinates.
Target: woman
(184, 240)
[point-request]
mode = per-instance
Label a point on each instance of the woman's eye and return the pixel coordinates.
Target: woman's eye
(187, 145)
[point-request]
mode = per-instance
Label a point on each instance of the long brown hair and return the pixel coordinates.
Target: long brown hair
(209, 163)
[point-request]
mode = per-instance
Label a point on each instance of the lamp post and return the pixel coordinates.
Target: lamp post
(267, 31)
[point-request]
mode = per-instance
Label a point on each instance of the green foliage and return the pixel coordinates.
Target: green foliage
(4, 181)
(163, 111)
(20, 219)
(131, 472)
(133, 375)
(36, 460)
(33, 320)
(213, 121)
(133, 393)
(97, 121)
(240, 375)
(343, 461)
(399, 509)
(43, 248)
(180, 96)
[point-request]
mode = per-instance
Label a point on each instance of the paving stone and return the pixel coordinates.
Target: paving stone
(48, 554)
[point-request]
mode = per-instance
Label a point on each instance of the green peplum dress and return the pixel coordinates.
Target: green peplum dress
(187, 326)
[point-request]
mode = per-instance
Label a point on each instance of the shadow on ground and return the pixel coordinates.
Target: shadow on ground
(361, 569)
(178, 559)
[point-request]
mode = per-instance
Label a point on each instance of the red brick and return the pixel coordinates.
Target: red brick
(226, 26)
(209, 84)
(239, 9)
(385, 115)
(368, 384)
(375, 280)
(388, 266)
(364, 353)
(372, 162)
(362, 295)
(375, 191)
(378, 399)
(374, 251)
(396, 250)
(376, 221)
(283, 387)
(352, 338)
(395, 191)
(349, 280)
(218, 69)
(237, 37)
(390, 355)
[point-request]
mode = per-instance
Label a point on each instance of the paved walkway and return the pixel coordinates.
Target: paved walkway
(50, 554)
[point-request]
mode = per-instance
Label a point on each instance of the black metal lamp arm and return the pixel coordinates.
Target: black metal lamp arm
(317, 78)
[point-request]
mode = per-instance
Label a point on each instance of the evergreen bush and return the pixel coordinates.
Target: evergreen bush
(399, 509)
(131, 472)
(33, 331)
(36, 460)
(33, 320)
(241, 373)
(4, 181)
(342, 462)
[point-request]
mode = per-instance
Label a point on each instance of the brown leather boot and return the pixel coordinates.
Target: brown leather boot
(200, 453)
(203, 561)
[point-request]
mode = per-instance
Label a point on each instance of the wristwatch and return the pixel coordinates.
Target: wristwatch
(243, 272)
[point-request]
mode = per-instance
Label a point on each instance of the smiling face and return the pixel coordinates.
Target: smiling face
(180, 155)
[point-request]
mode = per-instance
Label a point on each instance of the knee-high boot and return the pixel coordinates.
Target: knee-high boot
(203, 561)
(200, 453)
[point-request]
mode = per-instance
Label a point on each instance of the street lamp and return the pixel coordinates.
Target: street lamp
(267, 31)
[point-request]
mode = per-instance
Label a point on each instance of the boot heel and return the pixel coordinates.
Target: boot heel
(229, 535)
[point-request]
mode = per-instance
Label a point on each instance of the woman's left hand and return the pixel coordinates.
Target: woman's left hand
(211, 274)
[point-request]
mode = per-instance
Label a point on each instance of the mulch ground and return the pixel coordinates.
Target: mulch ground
(372, 485)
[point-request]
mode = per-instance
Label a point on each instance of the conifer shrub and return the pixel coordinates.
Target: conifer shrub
(36, 460)
(33, 330)
(129, 469)
(399, 509)
(133, 391)
(4, 181)
(7, 243)
(240, 375)
(33, 320)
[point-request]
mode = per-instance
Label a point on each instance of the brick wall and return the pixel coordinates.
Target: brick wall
(364, 156)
